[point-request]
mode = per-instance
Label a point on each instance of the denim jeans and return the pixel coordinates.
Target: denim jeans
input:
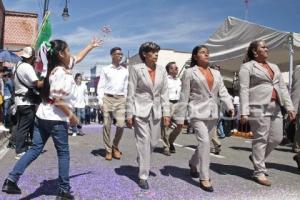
(43, 129)
(7, 103)
(80, 113)
(220, 128)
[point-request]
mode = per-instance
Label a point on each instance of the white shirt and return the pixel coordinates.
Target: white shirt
(82, 96)
(113, 80)
(236, 100)
(62, 86)
(174, 86)
(28, 76)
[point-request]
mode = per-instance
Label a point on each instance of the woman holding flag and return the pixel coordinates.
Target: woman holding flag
(53, 115)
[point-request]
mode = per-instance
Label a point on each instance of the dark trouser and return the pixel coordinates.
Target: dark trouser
(43, 129)
(87, 115)
(25, 124)
(7, 103)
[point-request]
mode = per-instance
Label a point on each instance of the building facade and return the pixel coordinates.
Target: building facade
(20, 30)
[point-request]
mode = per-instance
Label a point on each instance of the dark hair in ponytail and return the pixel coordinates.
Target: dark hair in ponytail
(194, 53)
(250, 55)
(53, 61)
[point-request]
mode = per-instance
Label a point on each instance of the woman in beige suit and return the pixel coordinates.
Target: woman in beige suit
(262, 92)
(202, 89)
(147, 103)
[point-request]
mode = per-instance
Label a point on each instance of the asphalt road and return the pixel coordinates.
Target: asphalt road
(92, 177)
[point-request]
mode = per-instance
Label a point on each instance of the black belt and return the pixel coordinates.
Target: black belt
(19, 95)
(112, 95)
(173, 101)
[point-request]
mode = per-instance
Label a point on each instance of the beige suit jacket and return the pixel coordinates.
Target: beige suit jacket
(256, 88)
(295, 94)
(143, 96)
(197, 99)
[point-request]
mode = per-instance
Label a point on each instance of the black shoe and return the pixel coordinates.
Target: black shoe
(11, 145)
(250, 158)
(297, 161)
(216, 150)
(10, 187)
(172, 148)
(207, 189)
(143, 184)
(62, 195)
(193, 171)
(166, 152)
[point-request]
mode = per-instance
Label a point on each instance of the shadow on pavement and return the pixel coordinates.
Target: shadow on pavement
(222, 169)
(180, 173)
(191, 146)
(131, 172)
(285, 168)
(242, 148)
(49, 187)
(284, 149)
(99, 152)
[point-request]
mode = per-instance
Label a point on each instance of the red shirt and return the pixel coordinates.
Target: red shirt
(208, 76)
(271, 74)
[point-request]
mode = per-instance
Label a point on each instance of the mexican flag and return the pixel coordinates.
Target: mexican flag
(45, 31)
(40, 46)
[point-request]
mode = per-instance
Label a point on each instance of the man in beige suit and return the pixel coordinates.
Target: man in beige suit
(262, 92)
(296, 100)
(147, 102)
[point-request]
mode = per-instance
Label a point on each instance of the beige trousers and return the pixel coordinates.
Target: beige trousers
(113, 107)
(169, 134)
(147, 134)
(296, 144)
(267, 134)
(201, 157)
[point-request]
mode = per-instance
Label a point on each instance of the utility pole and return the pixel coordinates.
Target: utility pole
(46, 7)
(246, 9)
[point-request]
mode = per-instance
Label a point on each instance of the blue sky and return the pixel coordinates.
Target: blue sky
(173, 24)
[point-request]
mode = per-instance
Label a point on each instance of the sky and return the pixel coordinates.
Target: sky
(173, 24)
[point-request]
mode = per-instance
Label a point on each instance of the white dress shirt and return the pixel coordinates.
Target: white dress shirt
(82, 96)
(113, 80)
(174, 86)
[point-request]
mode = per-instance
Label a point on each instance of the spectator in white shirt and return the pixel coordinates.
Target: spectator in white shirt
(170, 133)
(112, 89)
(80, 103)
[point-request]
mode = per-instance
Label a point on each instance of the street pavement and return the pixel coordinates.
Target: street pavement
(92, 177)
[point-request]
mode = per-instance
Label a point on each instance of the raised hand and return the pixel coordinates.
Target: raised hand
(96, 42)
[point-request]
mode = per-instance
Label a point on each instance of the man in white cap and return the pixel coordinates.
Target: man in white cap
(25, 79)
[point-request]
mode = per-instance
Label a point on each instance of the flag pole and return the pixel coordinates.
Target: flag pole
(40, 30)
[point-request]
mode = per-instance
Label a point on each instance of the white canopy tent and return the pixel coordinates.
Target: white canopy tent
(229, 43)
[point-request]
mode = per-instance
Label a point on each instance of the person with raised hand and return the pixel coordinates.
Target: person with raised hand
(53, 115)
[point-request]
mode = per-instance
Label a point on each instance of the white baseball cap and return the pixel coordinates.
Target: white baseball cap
(27, 52)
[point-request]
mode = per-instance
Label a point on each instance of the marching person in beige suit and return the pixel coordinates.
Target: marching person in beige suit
(262, 92)
(147, 103)
(295, 95)
(112, 91)
(202, 89)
